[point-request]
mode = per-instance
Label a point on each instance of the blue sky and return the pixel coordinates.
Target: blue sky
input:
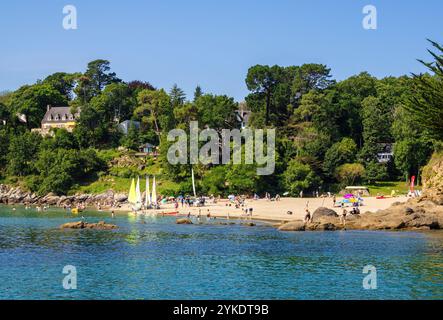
(213, 43)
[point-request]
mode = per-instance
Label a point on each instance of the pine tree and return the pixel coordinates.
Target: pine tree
(426, 104)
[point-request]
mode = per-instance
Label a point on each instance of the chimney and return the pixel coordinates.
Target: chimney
(48, 107)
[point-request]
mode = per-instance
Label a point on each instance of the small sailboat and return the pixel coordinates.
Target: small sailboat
(193, 183)
(147, 195)
(154, 194)
(134, 196)
(131, 196)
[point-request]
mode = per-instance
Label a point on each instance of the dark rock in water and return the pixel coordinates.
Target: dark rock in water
(248, 224)
(293, 226)
(327, 227)
(183, 221)
(101, 225)
(323, 212)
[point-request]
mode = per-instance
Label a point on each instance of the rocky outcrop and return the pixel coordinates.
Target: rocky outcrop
(16, 195)
(433, 180)
(183, 221)
(412, 215)
(293, 226)
(323, 212)
(101, 225)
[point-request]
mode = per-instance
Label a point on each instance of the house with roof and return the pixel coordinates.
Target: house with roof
(386, 152)
(147, 150)
(58, 118)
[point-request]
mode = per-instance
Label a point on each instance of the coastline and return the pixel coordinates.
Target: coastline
(287, 214)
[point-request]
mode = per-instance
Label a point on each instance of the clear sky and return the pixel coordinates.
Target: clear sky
(213, 42)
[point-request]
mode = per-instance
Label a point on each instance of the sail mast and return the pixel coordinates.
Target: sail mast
(193, 183)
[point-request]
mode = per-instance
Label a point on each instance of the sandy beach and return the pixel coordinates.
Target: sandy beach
(274, 210)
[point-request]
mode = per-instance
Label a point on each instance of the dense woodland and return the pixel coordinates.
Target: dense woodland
(328, 132)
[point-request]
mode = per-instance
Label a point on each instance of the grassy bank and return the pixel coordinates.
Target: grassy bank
(386, 187)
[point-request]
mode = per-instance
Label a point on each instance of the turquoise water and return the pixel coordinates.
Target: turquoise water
(153, 258)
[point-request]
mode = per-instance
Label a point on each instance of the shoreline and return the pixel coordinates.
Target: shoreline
(398, 213)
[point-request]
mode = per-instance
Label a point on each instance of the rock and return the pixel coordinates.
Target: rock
(101, 225)
(409, 211)
(327, 227)
(248, 224)
(120, 197)
(293, 226)
(183, 221)
(323, 212)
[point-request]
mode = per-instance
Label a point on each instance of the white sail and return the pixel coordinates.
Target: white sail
(138, 196)
(148, 194)
(193, 183)
(154, 193)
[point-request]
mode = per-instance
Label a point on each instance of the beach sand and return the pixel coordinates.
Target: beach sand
(273, 210)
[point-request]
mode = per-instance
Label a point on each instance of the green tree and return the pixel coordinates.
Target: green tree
(242, 179)
(426, 103)
(340, 153)
(63, 82)
(300, 177)
(377, 122)
(22, 152)
(32, 101)
(262, 81)
(178, 96)
(92, 82)
(216, 112)
(197, 93)
(349, 174)
(154, 107)
(375, 171)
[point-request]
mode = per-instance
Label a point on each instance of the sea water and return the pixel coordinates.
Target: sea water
(154, 258)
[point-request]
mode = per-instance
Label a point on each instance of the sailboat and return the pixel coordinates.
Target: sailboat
(154, 194)
(138, 195)
(134, 197)
(193, 183)
(147, 194)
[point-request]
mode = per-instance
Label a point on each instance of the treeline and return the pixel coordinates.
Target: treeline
(329, 132)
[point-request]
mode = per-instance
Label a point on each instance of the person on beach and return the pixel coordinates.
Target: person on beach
(343, 217)
(301, 194)
(307, 216)
(250, 212)
(334, 200)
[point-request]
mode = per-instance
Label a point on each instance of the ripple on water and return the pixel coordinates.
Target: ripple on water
(158, 259)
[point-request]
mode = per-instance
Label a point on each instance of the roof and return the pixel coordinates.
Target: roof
(356, 188)
(147, 145)
(60, 115)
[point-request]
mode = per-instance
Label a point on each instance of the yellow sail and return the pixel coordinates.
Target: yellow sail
(132, 197)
